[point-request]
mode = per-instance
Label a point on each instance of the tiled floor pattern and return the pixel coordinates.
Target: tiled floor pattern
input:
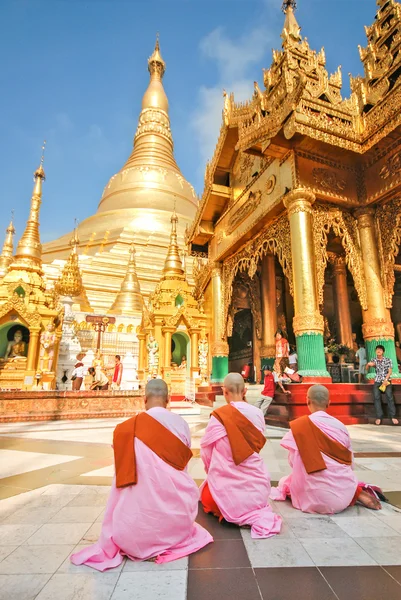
(54, 481)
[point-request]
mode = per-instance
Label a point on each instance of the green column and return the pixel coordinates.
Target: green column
(219, 368)
(311, 358)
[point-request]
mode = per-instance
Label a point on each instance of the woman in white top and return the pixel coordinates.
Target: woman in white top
(77, 376)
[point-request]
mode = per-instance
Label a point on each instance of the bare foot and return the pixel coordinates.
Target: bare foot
(153, 559)
(395, 421)
(378, 422)
(369, 501)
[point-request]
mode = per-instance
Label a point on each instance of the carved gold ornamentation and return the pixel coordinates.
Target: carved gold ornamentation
(17, 304)
(250, 205)
(388, 220)
(344, 226)
(378, 329)
(219, 349)
(270, 184)
(310, 322)
(329, 180)
(274, 239)
(391, 167)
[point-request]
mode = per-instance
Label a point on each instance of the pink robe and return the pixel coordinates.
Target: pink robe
(241, 492)
(325, 492)
(155, 517)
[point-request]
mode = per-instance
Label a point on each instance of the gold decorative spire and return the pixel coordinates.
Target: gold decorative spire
(151, 178)
(70, 282)
(173, 264)
(6, 256)
(291, 31)
(129, 299)
(29, 249)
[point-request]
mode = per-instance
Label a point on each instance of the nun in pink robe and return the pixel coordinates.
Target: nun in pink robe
(241, 492)
(153, 518)
(325, 492)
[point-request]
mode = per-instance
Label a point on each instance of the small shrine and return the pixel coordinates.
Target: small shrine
(30, 318)
(173, 343)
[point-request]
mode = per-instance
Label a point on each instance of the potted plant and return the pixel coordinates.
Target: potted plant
(343, 351)
(332, 348)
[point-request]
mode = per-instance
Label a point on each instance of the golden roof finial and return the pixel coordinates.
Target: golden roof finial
(156, 64)
(6, 256)
(292, 31)
(29, 249)
(129, 299)
(173, 264)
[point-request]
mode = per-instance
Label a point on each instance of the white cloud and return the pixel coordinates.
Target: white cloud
(236, 61)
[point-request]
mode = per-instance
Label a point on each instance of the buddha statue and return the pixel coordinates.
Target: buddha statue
(16, 349)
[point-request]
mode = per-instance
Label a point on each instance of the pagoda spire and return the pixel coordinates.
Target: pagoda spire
(29, 249)
(292, 31)
(70, 283)
(6, 256)
(129, 301)
(173, 264)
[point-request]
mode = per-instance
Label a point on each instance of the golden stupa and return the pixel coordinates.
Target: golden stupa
(136, 205)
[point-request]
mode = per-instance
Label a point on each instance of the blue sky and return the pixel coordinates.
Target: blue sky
(74, 72)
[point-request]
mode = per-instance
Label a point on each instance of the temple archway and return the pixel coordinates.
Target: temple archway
(7, 332)
(241, 342)
(180, 348)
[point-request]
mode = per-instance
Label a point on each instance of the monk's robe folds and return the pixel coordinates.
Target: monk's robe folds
(154, 517)
(330, 485)
(237, 478)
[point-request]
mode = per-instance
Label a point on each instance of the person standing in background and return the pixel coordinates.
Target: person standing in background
(361, 358)
(118, 373)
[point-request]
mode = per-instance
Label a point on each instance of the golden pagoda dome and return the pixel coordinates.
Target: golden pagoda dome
(151, 178)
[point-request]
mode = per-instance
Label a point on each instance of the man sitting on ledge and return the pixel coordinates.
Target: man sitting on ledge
(319, 446)
(238, 484)
(153, 503)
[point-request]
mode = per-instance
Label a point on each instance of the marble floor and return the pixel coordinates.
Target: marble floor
(54, 482)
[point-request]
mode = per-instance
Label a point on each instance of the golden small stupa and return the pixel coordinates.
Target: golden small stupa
(129, 301)
(136, 205)
(6, 256)
(70, 282)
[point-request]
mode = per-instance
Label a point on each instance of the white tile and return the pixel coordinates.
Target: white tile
(276, 552)
(21, 587)
(59, 533)
(79, 587)
(103, 472)
(147, 565)
(60, 489)
(287, 511)
(92, 534)
(168, 585)
(73, 514)
(337, 552)
(15, 462)
(32, 516)
(394, 522)
(68, 568)
(355, 511)
(35, 559)
(357, 527)
(285, 532)
(319, 527)
(15, 535)
(6, 551)
(94, 499)
(385, 551)
(101, 517)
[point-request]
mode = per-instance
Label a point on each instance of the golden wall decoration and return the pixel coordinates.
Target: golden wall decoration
(250, 205)
(345, 227)
(328, 180)
(388, 231)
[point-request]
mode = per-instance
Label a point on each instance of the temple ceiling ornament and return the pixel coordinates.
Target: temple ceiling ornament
(344, 226)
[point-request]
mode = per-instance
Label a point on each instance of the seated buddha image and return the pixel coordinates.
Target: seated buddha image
(16, 347)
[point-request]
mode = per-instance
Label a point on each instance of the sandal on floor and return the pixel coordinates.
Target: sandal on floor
(378, 422)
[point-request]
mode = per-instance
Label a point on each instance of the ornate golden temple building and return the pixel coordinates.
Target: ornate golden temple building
(300, 215)
(298, 229)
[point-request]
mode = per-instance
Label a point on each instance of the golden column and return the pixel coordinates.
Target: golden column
(142, 355)
(308, 322)
(194, 350)
(269, 309)
(341, 300)
(32, 359)
(377, 325)
(219, 343)
(168, 334)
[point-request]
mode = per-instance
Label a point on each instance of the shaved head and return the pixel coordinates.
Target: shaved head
(234, 384)
(319, 396)
(156, 393)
